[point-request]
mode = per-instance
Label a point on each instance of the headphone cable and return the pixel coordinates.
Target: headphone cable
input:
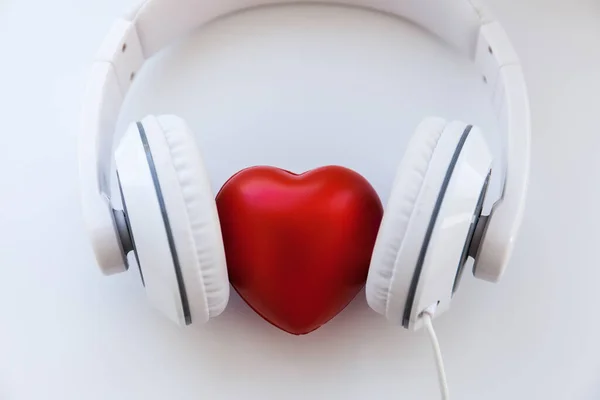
(427, 316)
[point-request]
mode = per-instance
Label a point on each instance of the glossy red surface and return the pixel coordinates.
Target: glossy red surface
(298, 247)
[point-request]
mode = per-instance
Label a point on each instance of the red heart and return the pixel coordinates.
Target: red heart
(298, 247)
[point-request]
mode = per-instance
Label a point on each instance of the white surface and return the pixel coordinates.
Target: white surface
(131, 42)
(69, 333)
(153, 24)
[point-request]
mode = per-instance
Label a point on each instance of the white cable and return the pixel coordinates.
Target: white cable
(427, 316)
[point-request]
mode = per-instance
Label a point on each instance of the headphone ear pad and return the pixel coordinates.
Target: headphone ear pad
(385, 286)
(203, 237)
(192, 285)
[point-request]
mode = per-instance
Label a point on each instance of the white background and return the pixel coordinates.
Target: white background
(297, 88)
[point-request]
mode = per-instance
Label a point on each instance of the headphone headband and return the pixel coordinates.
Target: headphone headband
(154, 24)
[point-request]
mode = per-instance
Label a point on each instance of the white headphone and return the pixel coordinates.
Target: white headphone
(432, 221)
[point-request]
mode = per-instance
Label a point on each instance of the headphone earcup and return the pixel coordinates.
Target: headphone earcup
(387, 282)
(438, 184)
(173, 219)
